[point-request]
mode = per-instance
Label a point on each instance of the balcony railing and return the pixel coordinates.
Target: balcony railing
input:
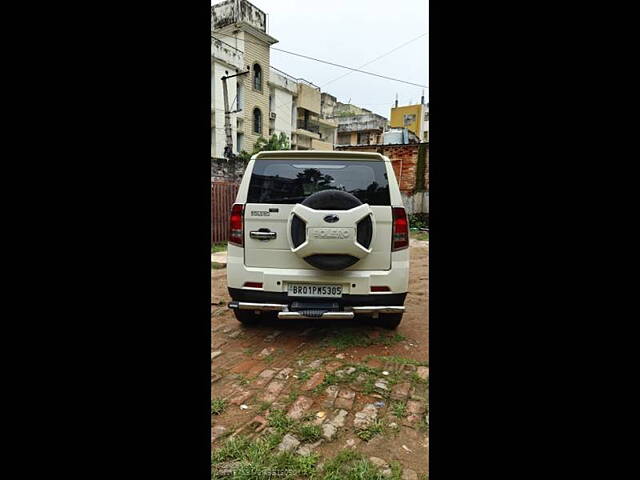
(309, 127)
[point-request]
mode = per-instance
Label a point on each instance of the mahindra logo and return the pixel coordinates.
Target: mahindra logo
(336, 233)
(331, 218)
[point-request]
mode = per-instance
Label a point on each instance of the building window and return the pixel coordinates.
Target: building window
(257, 121)
(257, 77)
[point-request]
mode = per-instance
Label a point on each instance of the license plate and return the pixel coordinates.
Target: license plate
(308, 290)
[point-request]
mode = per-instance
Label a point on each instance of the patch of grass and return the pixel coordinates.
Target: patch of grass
(399, 409)
(305, 375)
(309, 433)
(217, 266)
(218, 406)
(349, 338)
(368, 387)
(218, 247)
(366, 434)
(252, 459)
(279, 420)
(293, 395)
(391, 339)
(397, 360)
(263, 406)
(349, 465)
(415, 378)
(396, 471)
(308, 417)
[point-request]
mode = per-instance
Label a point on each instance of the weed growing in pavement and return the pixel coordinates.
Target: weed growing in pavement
(369, 386)
(396, 471)
(399, 409)
(251, 459)
(366, 434)
(391, 340)
(397, 360)
(218, 405)
(293, 394)
(308, 417)
(349, 465)
(217, 266)
(304, 431)
(309, 433)
(348, 338)
(369, 376)
(279, 420)
(305, 375)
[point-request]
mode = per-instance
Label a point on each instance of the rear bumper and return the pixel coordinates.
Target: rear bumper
(347, 313)
(282, 298)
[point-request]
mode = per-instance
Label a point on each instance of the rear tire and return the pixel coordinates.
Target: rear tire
(247, 317)
(389, 320)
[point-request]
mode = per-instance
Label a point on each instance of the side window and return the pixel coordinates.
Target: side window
(257, 121)
(257, 77)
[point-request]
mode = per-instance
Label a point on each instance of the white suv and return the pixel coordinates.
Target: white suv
(318, 234)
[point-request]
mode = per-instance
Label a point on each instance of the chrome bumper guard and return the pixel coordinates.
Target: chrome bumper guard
(325, 315)
(258, 306)
(284, 312)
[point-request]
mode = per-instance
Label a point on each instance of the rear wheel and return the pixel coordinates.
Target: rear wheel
(389, 320)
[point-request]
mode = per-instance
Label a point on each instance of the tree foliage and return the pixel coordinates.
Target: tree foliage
(262, 144)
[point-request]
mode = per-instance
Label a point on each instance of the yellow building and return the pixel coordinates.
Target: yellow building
(413, 117)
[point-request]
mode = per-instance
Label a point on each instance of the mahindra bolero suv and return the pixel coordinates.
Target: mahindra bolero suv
(318, 234)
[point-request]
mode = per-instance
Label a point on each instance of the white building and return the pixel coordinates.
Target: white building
(224, 58)
(282, 111)
(265, 101)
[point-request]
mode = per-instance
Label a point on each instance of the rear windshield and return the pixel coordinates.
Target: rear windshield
(291, 181)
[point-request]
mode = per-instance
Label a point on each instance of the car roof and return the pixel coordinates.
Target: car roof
(317, 154)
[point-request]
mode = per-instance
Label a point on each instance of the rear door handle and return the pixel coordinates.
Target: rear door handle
(262, 235)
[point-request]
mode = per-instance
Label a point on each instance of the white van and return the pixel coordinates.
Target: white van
(318, 234)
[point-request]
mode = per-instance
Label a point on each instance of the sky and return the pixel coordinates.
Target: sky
(352, 33)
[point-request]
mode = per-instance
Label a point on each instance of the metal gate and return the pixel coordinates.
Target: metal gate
(223, 194)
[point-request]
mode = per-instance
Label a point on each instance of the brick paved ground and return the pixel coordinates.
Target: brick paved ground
(318, 389)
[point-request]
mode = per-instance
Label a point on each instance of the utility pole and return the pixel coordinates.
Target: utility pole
(228, 149)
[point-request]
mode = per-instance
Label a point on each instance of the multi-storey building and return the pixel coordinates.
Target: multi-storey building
(239, 27)
(265, 100)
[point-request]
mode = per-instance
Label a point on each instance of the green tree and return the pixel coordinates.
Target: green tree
(262, 144)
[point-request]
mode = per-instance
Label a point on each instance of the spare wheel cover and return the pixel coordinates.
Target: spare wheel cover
(332, 200)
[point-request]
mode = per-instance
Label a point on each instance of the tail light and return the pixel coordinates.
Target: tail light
(236, 225)
(400, 238)
(253, 284)
(380, 289)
